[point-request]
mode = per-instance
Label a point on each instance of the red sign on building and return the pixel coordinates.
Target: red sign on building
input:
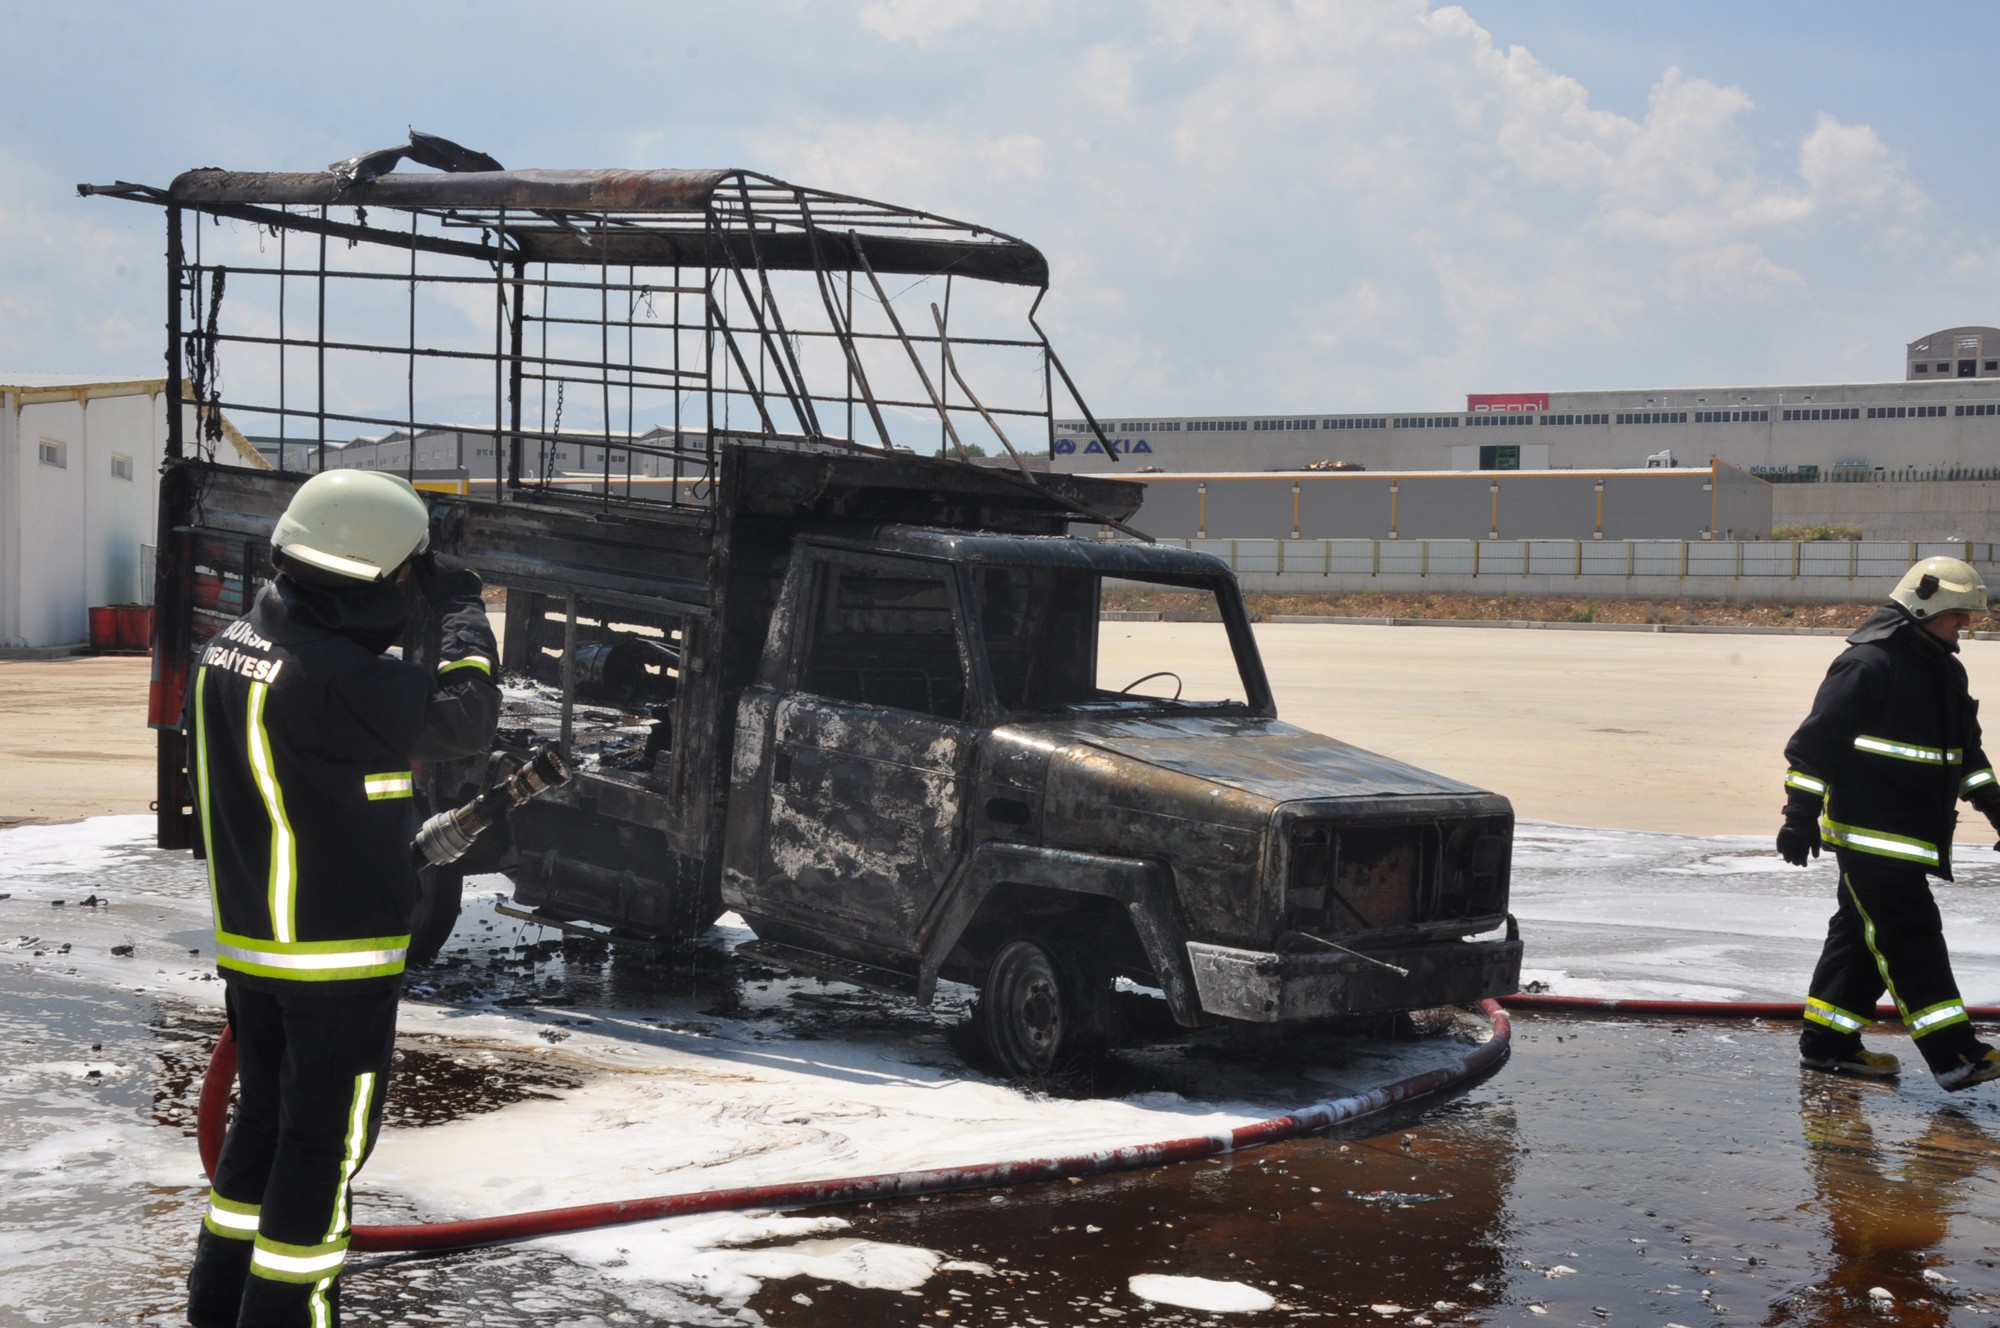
(1517, 403)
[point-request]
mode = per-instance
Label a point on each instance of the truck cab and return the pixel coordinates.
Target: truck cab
(938, 772)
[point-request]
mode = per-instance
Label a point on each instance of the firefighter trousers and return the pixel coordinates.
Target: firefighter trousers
(311, 1071)
(1886, 935)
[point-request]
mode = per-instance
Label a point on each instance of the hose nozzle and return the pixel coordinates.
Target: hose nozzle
(445, 837)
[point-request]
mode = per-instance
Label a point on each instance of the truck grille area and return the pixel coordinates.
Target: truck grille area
(1415, 877)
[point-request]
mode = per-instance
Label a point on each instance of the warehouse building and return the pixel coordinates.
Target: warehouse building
(1941, 421)
(79, 476)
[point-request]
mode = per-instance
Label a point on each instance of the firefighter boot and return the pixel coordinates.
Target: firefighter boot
(1848, 1058)
(215, 1282)
(1971, 1069)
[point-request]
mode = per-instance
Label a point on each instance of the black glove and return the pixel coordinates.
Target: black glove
(1799, 840)
(439, 577)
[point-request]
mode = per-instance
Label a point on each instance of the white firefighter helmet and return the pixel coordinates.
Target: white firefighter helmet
(1940, 585)
(354, 523)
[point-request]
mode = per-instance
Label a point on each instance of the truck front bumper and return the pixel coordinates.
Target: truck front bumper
(1268, 988)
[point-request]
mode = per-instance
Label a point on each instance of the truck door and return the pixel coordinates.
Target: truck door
(871, 752)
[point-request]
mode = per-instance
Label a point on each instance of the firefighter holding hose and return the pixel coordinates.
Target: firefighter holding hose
(1877, 768)
(302, 734)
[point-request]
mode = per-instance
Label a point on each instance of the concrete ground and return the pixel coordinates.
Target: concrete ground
(73, 738)
(1621, 730)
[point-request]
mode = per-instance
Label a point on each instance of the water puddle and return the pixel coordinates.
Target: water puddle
(1612, 1172)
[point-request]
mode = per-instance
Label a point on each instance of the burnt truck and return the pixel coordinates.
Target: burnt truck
(883, 705)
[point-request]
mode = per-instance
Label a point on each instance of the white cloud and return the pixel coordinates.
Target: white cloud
(919, 21)
(1216, 175)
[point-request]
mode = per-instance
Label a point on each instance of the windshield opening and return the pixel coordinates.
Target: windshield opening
(1047, 647)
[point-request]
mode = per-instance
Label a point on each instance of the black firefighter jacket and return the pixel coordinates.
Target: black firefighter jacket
(301, 737)
(1890, 746)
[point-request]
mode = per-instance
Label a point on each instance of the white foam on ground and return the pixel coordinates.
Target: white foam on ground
(721, 1101)
(1201, 1293)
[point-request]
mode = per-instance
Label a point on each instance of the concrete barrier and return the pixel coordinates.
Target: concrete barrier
(1802, 571)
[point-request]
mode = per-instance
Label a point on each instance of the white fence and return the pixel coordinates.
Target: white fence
(1827, 570)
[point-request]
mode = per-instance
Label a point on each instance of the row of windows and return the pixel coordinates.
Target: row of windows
(1485, 419)
(55, 452)
(1992, 366)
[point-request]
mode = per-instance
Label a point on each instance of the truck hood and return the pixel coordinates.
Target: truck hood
(1263, 757)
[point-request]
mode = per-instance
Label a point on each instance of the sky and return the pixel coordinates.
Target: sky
(1247, 205)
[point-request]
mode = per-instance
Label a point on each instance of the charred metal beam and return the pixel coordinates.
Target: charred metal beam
(650, 559)
(565, 190)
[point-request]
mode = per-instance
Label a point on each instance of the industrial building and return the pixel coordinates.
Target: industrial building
(79, 497)
(1932, 421)
(79, 467)
(1912, 459)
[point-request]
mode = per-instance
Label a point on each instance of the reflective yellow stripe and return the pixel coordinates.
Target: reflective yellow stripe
(1799, 779)
(392, 784)
(201, 786)
(230, 1219)
(480, 662)
(1832, 1016)
(356, 1148)
(284, 848)
(1879, 842)
(1902, 751)
(312, 961)
(1941, 1015)
(296, 1263)
(1868, 939)
(1977, 779)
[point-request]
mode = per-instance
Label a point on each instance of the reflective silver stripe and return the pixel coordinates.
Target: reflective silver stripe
(284, 847)
(1901, 750)
(1877, 841)
(1977, 779)
(394, 784)
(295, 1264)
(1820, 1012)
(1800, 780)
(1950, 1012)
(223, 1217)
(316, 960)
(480, 662)
(356, 1147)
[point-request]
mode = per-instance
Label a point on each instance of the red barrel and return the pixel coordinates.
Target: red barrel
(135, 627)
(104, 628)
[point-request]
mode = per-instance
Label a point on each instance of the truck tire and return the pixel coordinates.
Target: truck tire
(440, 890)
(1045, 1005)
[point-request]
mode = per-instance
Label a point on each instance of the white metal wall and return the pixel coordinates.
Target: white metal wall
(71, 533)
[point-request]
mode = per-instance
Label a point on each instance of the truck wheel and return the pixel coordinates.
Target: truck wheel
(440, 890)
(1044, 1005)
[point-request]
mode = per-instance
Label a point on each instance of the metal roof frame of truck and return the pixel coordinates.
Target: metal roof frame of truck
(666, 312)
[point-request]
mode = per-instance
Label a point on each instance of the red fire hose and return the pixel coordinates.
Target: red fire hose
(1525, 1000)
(212, 1116)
